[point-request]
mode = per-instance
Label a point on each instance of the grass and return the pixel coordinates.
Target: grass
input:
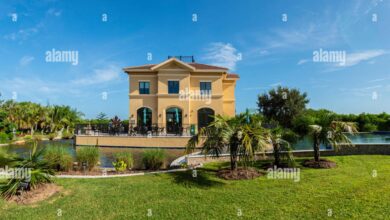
(349, 190)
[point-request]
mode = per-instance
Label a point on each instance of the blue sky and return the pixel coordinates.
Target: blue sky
(274, 50)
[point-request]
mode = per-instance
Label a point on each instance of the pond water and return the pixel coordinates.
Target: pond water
(106, 153)
(360, 138)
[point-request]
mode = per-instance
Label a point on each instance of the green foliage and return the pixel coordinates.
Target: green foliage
(38, 137)
(51, 136)
(27, 117)
(40, 173)
(153, 159)
(4, 138)
(119, 166)
(89, 155)
(67, 135)
(241, 135)
(6, 158)
(282, 105)
(28, 137)
(58, 157)
(126, 157)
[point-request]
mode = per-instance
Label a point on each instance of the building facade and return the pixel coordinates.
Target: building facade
(175, 95)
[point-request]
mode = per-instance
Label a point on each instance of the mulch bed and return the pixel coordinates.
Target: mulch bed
(40, 193)
(325, 164)
(239, 174)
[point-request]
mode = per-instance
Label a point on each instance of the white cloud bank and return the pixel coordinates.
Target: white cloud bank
(100, 76)
(222, 54)
(356, 58)
(26, 60)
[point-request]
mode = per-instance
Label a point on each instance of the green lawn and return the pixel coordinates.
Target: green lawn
(349, 191)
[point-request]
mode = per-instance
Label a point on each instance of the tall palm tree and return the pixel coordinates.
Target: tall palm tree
(241, 136)
(328, 131)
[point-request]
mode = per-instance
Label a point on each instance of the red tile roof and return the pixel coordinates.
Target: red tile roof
(232, 75)
(198, 66)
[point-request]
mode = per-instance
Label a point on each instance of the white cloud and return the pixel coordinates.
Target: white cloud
(356, 58)
(24, 61)
(22, 34)
(54, 12)
(100, 76)
(222, 54)
(302, 61)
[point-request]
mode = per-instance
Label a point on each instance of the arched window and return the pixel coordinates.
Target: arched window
(174, 120)
(205, 117)
(144, 117)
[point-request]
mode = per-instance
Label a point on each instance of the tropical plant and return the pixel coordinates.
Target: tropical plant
(282, 150)
(52, 136)
(36, 172)
(115, 123)
(58, 157)
(88, 155)
(119, 166)
(126, 157)
(67, 135)
(4, 138)
(241, 136)
(6, 158)
(326, 130)
(153, 159)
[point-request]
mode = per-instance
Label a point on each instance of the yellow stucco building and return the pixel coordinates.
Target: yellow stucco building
(175, 96)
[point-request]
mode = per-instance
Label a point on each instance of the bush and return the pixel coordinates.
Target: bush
(4, 138)
(153, 159)
(126, 157)
(41, 173)
(27, 137)
(67, 135)
(119, 166)
(89, 155)
(37, 137)
(6, 158)
(58, 157)
(51, 136)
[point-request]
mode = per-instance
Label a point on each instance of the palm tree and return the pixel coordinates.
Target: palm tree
(282, 150)
(40, 172)
(328, 131)
(241, 136)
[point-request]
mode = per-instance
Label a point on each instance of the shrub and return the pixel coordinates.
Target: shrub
(126, 157)
(153, 159)
(27, 137)
(4, 138)
(119, 166)
(10, 136)
(37, 137)
(67, 135)
(89, 155)
(51, 136)
(6, 158)
(58, 157)
(40, 173)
